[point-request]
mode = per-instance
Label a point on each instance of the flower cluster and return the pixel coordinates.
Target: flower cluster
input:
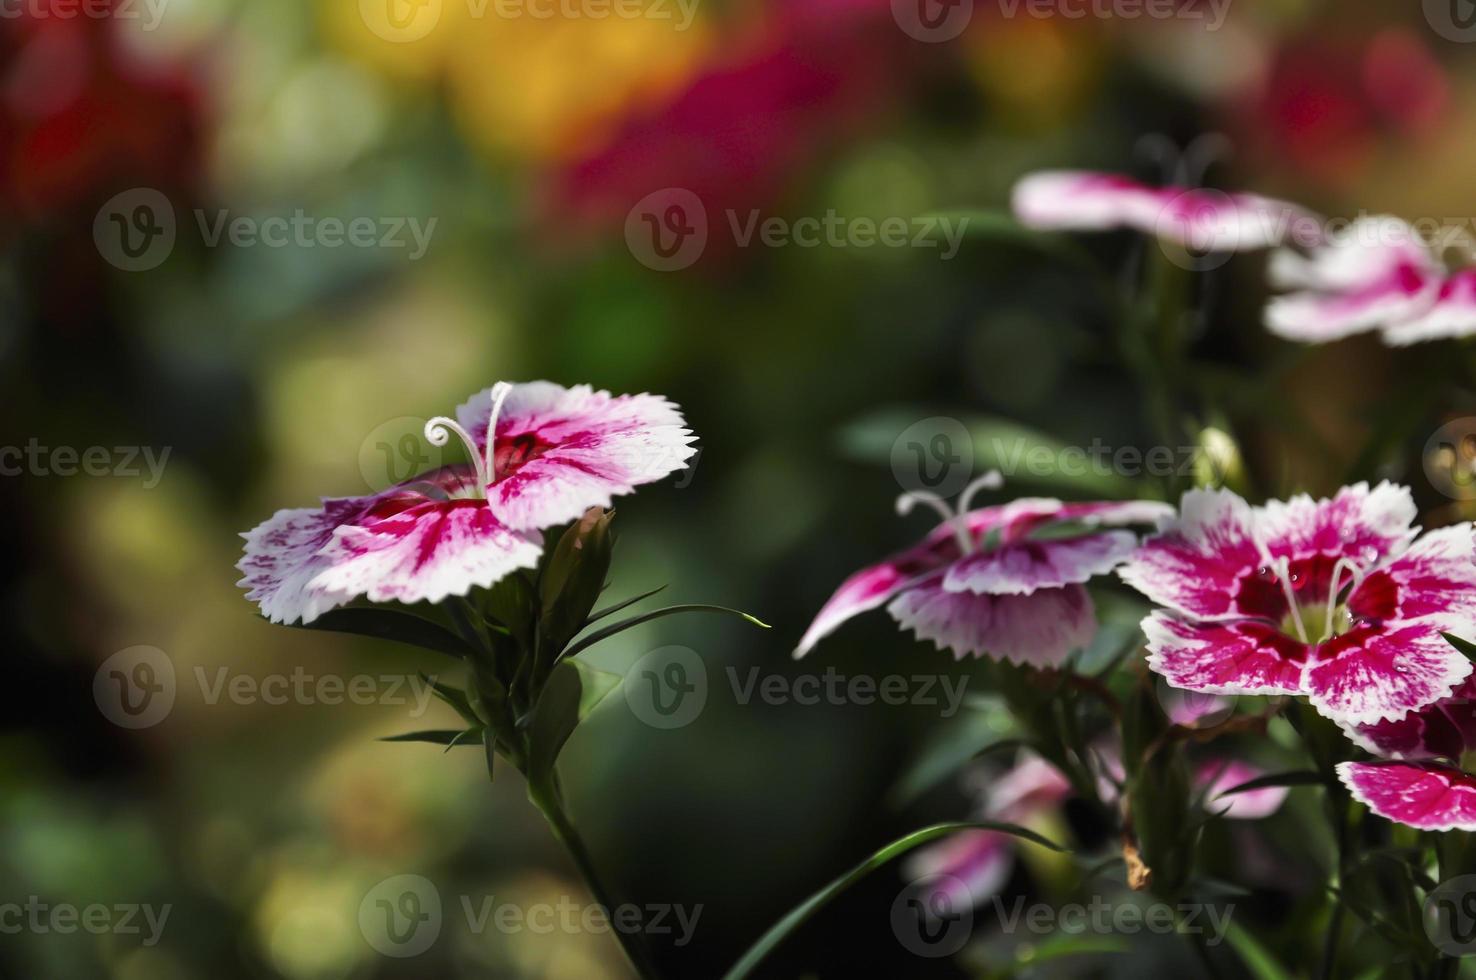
(1374, 274)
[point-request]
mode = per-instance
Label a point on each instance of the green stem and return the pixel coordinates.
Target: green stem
(546, 796)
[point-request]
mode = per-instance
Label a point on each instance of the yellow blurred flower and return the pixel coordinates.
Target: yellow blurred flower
(541, 88)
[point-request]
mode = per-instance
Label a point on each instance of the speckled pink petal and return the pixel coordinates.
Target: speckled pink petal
(1026, 566)
(1232, 657)
(1196, 564)
(282, 558)
(1394, 659)
(425, 553)
(1423, 795)
(1362, 524)
(560, 451)
(1445, 729)
(1040, 629)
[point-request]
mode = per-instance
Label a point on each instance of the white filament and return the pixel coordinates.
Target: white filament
(438, 433)
(499, 395)
(954, 517)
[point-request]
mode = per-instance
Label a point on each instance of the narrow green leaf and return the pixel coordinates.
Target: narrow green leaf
(609, 610)
(453, 696)
(802, 912)
(625, 624)
(1060, 947)
(1257, 958)
(446, 737)
(391, 624)
(1298, 778)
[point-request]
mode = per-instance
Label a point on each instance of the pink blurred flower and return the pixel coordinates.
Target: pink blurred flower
(1207, 220)
(981, 584)
(1376, 275)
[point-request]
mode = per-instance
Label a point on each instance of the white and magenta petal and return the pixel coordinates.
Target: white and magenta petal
(1027, 566)
(1234, 657)
(425, 552)
(560, 451)
(1363, 525)
(1451, 314)
(1040, 629)
(1217, 776)
(1422, 795)
(1445, 729)
(965, 869)
(1196, 565)
(282, 558)
(1197, 218)
(1382, 672)
(1374, 274)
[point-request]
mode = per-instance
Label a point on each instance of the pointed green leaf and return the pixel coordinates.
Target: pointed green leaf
(609, 610)
(574, 689)
(1298, 778)
(391, 624)
(802, 912)
(453, 696)
(446, 737)
(1465, 646)
(597, 636)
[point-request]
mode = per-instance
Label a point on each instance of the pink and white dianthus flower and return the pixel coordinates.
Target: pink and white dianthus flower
(1375, 275)
(1004, 581)
(1198, 218)
(1332, 599)
(1419, 781)
(551, 454)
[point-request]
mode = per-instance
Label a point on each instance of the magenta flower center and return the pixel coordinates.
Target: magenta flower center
(1323, 600)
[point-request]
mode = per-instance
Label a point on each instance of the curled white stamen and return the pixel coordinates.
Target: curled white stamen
(1332, 596)
(956, 518)
(499, 395)
(992, 480)
(1283, 575)
(438, 433)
